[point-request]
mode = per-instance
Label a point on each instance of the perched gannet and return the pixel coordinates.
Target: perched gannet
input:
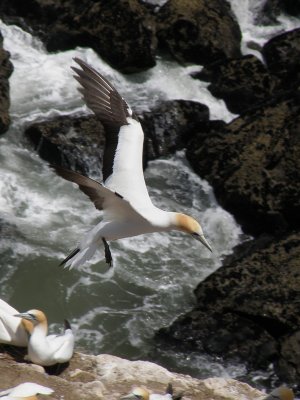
(281, 393)
(13, 330)
(25, 390)
(47, 350)
(124, 199)
(140, 393)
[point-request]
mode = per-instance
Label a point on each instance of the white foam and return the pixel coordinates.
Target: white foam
(246, 13)
(154, 275)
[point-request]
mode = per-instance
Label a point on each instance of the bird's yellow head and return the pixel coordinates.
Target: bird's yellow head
(189, 225)
(281, 393)
(34, 316)
(138, 393)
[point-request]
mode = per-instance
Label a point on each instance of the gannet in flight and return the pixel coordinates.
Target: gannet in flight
(281, 393)
(47, 350)
(25, 390)
(123, 197)
(13, 331)
(140, 393)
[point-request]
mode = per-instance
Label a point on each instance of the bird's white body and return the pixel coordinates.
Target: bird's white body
(12, 329)
(24, 390)
(47, 350)
(141, 393)
(154, 396)
(52, 349)
(127, 208)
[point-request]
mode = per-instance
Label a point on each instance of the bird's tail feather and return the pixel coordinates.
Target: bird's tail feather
(67, 324)
(71, 255)
(79, 257)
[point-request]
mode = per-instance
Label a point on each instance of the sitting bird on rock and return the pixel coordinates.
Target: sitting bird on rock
(13, 331)
(140, 393)
(123, 197)
(25, 390)
(47, 350)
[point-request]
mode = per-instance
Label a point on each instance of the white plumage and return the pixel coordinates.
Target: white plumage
(127, 208)
(24, 390)
(13, 330)
(141, 393)
(47, 350)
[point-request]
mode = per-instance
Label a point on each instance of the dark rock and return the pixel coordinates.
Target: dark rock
(122, 32)
(282, 56)
(73, 142)
(249, 309)
(6, 69)
(170, 126)
(199, 31)
(77, 142)
(253, 165)
(242, 83)
(273, 8)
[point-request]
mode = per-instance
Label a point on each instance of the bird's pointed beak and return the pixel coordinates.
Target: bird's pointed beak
(130, 396)
(27, 316)
(202, 239)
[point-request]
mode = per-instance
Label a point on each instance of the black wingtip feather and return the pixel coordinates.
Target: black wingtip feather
(170, 391)
(67, 324)
(71, 255)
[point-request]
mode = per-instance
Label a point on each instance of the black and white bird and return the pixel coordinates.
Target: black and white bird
(26, 390)
(44, 349)
(13, 331)
(141, 393)
(123, 196)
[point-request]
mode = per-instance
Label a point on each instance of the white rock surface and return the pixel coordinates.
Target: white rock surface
(106, 377)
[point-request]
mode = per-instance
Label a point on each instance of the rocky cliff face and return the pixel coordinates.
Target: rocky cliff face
(6, 69)
(107, 377)
(248, 309)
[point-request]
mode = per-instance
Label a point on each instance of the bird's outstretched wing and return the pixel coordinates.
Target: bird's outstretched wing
(124, 137)
(113, 204)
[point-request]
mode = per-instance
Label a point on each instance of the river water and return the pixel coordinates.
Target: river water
(113, 311)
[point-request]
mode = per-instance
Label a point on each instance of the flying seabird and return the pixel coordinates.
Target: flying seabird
(140, 393)
(13, 331)
(123, 196)
(25, 390)
(47, 350)
(280, 393)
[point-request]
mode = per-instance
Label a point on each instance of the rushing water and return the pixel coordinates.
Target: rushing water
(118, 310)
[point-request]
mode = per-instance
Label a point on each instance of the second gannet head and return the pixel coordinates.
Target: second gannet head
(281, 393)
(36, 317)
(189, 225)
(138, 393)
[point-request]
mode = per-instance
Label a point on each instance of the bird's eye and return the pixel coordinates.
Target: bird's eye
(32, 316)
(195, 234)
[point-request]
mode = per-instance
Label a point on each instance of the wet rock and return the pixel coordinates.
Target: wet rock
(170, 126)
(249, 309)
(109, 377)
(199, 31)
(242, 83)
(253, 165)
(77, 142)
(73, 142)
(273, 8)
(6, 69)
(282, 56)
(121, 32)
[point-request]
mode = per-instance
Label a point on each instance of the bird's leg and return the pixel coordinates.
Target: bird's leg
(108, 257)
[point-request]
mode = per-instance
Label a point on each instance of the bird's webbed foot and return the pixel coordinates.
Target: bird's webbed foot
(107, 253)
